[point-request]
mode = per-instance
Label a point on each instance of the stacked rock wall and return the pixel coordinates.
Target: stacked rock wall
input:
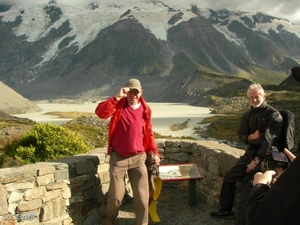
(73, 190)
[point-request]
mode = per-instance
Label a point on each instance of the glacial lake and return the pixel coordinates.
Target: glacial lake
(163, 115)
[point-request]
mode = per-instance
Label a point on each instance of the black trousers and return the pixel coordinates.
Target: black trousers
(238, 174)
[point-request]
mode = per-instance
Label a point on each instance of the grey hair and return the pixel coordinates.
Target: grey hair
(256, 87)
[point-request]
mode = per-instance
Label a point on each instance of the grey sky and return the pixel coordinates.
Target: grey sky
(289, 9)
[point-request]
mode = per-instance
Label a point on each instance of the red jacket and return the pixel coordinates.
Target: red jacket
(113, 108)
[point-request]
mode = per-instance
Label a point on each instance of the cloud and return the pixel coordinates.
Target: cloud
(289, 9)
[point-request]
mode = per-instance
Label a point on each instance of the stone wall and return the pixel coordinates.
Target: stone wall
(72, 190)
(213, 158)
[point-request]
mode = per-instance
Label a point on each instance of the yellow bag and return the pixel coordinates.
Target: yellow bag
(152, 204)
(153, 213)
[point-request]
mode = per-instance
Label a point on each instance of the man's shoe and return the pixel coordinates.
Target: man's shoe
(227, 215)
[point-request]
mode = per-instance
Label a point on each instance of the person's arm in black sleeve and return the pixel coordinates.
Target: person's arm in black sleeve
(272, 133)
(258, 193)
(244, 128)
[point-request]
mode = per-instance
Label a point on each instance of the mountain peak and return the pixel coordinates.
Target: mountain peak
(55, 47)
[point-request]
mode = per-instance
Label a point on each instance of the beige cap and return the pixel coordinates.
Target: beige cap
(134, 84)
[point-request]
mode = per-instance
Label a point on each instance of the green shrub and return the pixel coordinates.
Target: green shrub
(46, 142)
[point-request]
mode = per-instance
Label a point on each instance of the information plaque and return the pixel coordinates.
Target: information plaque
(182, 172)
(179, 172)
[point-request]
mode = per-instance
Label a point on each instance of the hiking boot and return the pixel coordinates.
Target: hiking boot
(223, 214)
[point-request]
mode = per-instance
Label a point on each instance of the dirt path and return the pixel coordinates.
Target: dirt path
(173, 209)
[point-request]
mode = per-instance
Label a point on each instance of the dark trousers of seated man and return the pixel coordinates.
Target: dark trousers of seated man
(238, 174)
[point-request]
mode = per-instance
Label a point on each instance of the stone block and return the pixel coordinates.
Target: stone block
(186, 149)
(17, 176)
(76, 199)
(214, 153)
(172, 144)
(67, 221)
(80, 179)
(29, 205)
(213, 160)
(34, 193)
(45, 179)
(61, 166)
(160, 144)
(60, 184)
(46, 212)
(214, 169)
(85, 167)
(3, 202)
(185, 144)
(19, 186)
(180, 157)
(95, 159)
(59, 207)
(92, 218)
(50, 195)
(66, 193)
(15, 196)
(161, 151)
(63, 174)
(172, 150)
(79, 186)
(87, 207)
(46, 170)
(89, 194)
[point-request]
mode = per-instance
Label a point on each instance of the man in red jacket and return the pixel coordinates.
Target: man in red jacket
(130, 139)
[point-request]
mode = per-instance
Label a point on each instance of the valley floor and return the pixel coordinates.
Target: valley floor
(163, 116)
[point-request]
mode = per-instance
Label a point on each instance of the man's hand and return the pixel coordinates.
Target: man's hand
(122, 93)
(251, 166)
(268, 176)
(255, 135)
(290, 155)
(264, 178)
(157, 160)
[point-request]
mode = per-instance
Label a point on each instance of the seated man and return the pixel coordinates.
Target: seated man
(279, 204)
(260, 128)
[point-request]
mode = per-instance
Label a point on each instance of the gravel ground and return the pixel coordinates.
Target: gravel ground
(173, 209)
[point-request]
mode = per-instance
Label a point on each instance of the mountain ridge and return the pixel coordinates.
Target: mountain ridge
(82, 51)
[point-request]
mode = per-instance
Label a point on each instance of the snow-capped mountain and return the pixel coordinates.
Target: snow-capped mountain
(63, 50)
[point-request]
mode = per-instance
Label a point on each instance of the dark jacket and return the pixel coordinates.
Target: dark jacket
(267, 120)
(280, 204)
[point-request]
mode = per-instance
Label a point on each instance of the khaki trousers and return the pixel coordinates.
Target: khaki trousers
(138, 177)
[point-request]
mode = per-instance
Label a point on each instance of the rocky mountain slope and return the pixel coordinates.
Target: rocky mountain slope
(52, 51)
(13, 103)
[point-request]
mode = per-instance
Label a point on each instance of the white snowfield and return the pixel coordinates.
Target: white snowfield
(87, 23)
